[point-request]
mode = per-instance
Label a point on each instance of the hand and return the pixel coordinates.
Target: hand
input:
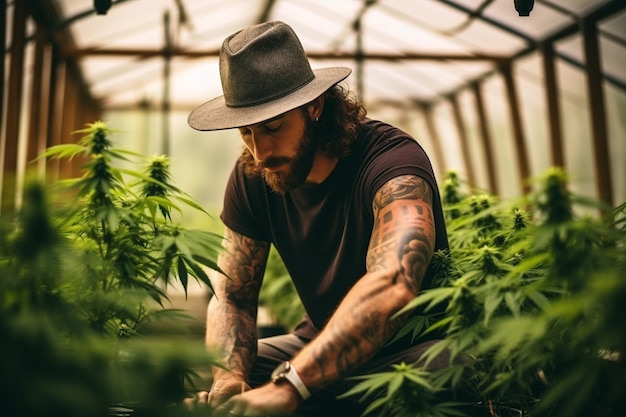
(221, 391)
(267, 400)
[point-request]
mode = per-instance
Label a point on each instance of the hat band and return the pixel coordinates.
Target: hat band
(284, 94)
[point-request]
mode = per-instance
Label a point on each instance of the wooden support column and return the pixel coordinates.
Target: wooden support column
(490, 161)
(552, 100)
(84, 109)
(55, 104)
(68, 119)
(518, 131)
(598, 112)
(436, 140)
(165, 103)
(93, 112)
(13, 107)
(81, 111)
(3, 41)
(36, 140)
(462, 131)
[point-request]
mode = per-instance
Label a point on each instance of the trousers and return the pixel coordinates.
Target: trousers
(276, 349)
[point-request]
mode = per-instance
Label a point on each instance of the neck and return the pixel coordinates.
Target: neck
(322, 167)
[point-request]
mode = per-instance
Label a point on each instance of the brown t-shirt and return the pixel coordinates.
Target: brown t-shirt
(322, 231)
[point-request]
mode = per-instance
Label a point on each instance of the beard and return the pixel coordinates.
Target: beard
(297, 167)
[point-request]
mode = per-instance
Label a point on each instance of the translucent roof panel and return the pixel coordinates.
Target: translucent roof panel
(413, 51)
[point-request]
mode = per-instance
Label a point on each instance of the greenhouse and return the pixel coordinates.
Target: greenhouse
(305, 207)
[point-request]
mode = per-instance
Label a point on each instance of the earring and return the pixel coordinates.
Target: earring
(317, 119)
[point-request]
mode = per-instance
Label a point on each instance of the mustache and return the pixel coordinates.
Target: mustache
(273, 162)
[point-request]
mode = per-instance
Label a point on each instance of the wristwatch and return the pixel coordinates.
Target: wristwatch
(286, 371)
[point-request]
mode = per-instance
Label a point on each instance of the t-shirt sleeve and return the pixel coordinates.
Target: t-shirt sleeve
(397, 155)
(238, 213)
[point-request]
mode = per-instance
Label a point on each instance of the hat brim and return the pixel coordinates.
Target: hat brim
(216, 115)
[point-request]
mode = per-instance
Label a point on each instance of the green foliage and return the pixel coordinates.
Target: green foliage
(534, 295)
(83, 267)
(278, 293)
(406, 391)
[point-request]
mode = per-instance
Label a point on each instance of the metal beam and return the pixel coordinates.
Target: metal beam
(493, 22)
(266, 12)
(186, 53)
(47, 14)
(606, 10)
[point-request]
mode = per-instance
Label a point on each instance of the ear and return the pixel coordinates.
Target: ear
(315, 107)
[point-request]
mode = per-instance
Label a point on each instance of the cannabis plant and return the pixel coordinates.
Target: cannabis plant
(83, 267)
(533, 292)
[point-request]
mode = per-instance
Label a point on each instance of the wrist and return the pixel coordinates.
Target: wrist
(286, 390)
(287, 374)
(223, 379)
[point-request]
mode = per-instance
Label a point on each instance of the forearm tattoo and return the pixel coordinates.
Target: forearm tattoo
(400, 249)
(233, 318)
(345, 349)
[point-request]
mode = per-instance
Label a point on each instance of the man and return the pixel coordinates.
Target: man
(352, 206)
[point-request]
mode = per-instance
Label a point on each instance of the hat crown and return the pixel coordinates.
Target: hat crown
(262, 63)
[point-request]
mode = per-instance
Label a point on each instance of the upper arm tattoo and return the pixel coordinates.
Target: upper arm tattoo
(403, 235)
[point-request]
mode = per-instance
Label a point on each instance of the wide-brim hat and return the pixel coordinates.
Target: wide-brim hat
(264, 72)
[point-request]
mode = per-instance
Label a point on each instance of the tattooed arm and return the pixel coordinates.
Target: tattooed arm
(231, 315)
(400, 249)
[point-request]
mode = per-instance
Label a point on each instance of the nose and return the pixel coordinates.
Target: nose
(260, 145)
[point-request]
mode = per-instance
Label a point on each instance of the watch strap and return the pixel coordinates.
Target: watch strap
(292, 376)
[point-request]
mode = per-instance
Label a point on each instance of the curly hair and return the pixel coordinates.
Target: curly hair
(334, 132)
(338, 125)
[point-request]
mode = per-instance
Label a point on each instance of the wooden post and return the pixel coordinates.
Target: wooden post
(485, 134)
(460, 126)
(436, 140)
(3, 41)
(13, 108)
(518, 131)
(55, 100)
(598, 112)
(552, 100)
(37, 105)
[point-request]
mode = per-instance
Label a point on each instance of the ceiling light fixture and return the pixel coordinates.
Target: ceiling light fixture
(524, 7)
(102, 6)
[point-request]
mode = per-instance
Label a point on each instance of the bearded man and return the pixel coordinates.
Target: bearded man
(350, 204)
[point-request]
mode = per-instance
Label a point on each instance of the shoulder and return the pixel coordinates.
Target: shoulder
(378, 128)
(384, 151)
(377, 138)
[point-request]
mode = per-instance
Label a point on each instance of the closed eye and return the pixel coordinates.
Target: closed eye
(272, 127)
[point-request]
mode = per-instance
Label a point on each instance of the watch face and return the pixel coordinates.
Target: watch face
(280, 371)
